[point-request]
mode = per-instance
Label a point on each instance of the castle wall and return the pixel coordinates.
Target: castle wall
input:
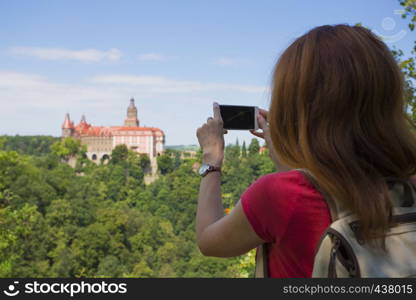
(97, 146)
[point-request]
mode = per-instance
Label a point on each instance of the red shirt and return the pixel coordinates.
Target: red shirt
(286, 210)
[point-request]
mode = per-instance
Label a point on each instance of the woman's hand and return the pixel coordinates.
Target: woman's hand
(265, 134)
(211, 138)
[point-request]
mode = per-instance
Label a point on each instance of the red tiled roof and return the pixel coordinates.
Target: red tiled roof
(67, 123)
(86, 129)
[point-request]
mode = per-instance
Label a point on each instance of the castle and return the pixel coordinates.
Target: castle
(101, 140)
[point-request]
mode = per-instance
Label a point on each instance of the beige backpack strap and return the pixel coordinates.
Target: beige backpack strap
(407, 197)
(262, 270)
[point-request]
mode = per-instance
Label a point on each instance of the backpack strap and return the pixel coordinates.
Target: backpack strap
(262, 252)
(408, 186)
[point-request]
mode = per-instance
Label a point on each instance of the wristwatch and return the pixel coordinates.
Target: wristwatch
(205, 169)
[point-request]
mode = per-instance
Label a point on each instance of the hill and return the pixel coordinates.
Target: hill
(183, 147)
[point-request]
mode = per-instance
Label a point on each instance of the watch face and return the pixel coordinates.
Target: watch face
(203, 169)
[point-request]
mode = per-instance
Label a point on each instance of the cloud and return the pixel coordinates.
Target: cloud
(19, 89)
(22, 90)
(27, 94)
(226, 61)
(85, 55)
(34, 104)
(151, 57)
(159, 84)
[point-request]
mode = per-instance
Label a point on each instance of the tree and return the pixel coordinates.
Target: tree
(244, 150)
(68, 148)
(165, 163)
(408, 64)
(119, 154)
(144, 161)
(231, 155)
(254, 147)
(24, 238)
(31, 145)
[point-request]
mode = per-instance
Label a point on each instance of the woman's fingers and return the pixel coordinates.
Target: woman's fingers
(258, 134)
(264, 113)
(217, 113)
(262, 122)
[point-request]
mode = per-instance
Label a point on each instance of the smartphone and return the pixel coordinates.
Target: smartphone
(238, 117)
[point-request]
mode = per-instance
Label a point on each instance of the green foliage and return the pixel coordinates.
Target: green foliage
(144, 161)
(119, 154)
(254, 147)
(24, 243)
(30, 145)
(168, 161)
(408, 64)
(409, 12)
(244, 150)
(105, 222)
(67, 148)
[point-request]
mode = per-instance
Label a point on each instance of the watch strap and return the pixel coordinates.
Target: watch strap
(212, 169)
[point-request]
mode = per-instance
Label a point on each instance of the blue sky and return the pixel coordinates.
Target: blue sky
(174, 57)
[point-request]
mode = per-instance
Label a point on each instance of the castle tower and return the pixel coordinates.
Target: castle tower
(83, 126)
(131, 120)
(67, 127)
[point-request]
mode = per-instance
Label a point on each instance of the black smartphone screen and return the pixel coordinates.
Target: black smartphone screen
(238, 117)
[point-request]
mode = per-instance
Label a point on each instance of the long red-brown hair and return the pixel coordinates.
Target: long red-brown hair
(337, 109)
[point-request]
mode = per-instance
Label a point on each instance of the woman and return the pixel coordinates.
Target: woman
(337, 109)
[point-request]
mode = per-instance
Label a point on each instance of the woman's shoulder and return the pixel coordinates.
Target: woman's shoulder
(271, 201)
(293, 179)
(280, 186)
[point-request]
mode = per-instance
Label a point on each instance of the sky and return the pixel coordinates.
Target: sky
(174, 57)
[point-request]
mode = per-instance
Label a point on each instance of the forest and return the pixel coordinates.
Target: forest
(101, 220)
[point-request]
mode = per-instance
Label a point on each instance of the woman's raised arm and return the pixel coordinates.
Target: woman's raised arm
(219, 235)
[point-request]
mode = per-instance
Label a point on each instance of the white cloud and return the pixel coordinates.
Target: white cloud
(225, 61)
(151, 57)
(85, 55)
(22, 89)
(33, 104)
(158, 84)
(30, 90)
